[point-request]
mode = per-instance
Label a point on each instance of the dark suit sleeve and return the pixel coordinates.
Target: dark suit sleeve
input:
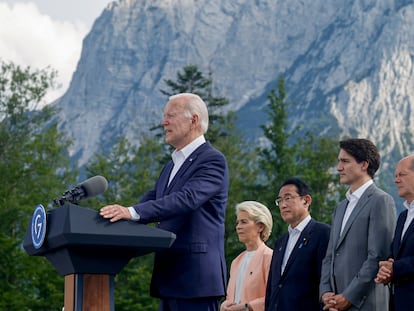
(323, 245)
(325, 282)
(203, 180)
(403, 269)
(403, 252)
(193, 207)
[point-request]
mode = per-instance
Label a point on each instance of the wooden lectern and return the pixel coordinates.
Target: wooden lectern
(89, 251)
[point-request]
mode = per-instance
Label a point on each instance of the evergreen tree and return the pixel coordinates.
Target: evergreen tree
(316, 159)
(192, 80)
(34, 167)
(131, 171)
(226, 137)
(277, 155)
(289, 152)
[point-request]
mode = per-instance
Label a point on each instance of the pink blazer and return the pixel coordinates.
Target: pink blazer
(254, 284)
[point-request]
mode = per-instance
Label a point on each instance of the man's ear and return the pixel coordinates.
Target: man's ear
(307, 200)
(195, 120)
(365, 165)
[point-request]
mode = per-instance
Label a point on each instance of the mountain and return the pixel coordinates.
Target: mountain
(348, 66)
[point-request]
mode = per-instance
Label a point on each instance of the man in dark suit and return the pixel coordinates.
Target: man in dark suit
(398, 270)
(361, 232)
(189, 199)
(297, 255)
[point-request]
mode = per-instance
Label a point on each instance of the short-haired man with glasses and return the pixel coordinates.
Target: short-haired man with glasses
(297, 255)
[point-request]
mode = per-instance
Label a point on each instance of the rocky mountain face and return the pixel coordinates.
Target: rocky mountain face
(348, 66)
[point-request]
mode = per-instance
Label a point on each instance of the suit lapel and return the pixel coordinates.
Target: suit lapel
(301, 243)
(362, 202)
(339, 216)
(184, 167)
(164, 177)
(398, 232)
(280, 249)
(407, 234)
(187, 163)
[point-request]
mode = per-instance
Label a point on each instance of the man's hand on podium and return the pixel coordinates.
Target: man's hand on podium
(115, 212)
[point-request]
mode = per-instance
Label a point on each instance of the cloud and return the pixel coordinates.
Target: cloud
(30, 38)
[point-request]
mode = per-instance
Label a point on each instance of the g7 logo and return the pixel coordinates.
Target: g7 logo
(38, 226)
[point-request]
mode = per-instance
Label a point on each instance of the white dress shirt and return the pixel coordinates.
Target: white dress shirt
(353, 199)
(178, 158)
(294, 234)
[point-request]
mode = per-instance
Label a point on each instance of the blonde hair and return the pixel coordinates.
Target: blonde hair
(259, 213)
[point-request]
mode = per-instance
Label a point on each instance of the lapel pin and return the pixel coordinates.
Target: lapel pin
(304, 242)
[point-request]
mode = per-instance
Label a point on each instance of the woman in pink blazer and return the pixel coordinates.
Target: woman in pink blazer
(249, 271)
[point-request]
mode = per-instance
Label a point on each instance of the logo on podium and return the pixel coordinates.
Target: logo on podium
(38, 226)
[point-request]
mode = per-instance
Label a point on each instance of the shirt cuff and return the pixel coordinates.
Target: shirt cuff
(134, 215)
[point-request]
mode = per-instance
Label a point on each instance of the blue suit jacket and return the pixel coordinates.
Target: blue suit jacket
(403, 267)
(193, 207)
(298, 287)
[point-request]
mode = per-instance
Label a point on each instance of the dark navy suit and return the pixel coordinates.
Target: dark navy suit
(403, 266)
(193, 207)
(298, 287)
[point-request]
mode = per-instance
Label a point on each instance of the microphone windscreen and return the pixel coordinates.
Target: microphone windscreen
(94, 186)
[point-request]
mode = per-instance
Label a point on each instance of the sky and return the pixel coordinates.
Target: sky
(41, 33)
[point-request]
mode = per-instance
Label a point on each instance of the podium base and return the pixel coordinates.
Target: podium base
(89, 292)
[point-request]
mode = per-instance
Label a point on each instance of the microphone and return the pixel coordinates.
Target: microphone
(85, 190)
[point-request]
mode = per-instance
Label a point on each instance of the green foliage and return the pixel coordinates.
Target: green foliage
(255, 173)
(190, 80)
(131, 171)
(132, 286)
(226, 137)
(34, 163)
(243, 172)
(315, 160)
(277, 159)
(277, 154)
(288, 153)
(34, 166)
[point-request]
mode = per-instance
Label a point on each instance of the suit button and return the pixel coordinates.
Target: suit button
(280, 285)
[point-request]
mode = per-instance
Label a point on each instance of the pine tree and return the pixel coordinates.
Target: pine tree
(131, 171)
(35, 168)
(226, 137)
(289, 152)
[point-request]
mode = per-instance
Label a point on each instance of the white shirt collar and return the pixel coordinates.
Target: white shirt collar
(189, 149)
(410, 206)
(301, 225)
(359, 192)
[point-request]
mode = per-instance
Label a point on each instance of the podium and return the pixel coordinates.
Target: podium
(89, 251)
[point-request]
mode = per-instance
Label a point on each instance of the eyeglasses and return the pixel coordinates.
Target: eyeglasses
(287, 199)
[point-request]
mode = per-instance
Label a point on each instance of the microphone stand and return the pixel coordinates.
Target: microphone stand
(71, 196)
